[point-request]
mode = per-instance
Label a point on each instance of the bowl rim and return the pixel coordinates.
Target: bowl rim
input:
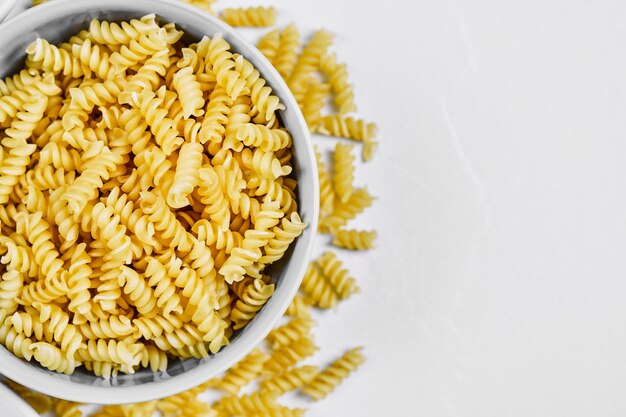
(6, 7)
(44, 381)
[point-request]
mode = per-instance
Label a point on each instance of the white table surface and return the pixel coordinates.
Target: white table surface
(497, 288)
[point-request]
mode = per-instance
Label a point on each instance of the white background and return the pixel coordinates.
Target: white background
(497, 287)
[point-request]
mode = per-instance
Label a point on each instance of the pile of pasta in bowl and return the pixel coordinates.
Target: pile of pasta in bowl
(145, 185)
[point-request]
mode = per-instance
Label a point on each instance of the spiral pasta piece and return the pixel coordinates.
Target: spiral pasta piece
(287, 52)
(369, 147)
(184, 404)
(308, 62)
(250, 16)
(111, 33)
(103, 350)
(162, 127)
(110, 328)
(189, 92)
(79, 282)
(252, 300)
(132, 121)
(243, 372)
(358, 201)
(216, 116)
(169, 227)
(327, 380)
(290, 332)
(344, 171)
(338, 277)
(262, 137)
(139, 50)
(155, 360)
(14, 341)
(42, 55)
(105, 225)
(217, 52)
(290, 229)
(242, 257)
(268, 45)
(313, 102)
(186, 177)
(261, 95)
(58, 156)
(147, 77)
(45, 291)
(264, 163)
(338, 79)
(164, 289)
(318, 289)
(93, 59)
(57, 323)
(216, 208)
(355, 239)
(14, 165)
(18, 258)
(286, 356)
(51, 357)
(179, 338)
(98, 94)
(347, 127)
(139, 292)
(85, 187)
(18, 81)
(67, 409)
(290, 380)
(255, 403)
(38, 232)
(327, 194)
(11, 285)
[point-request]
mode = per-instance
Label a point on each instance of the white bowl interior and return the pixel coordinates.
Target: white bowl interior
(57, 21)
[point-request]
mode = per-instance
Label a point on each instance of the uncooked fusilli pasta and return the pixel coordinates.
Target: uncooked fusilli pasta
(143, 190)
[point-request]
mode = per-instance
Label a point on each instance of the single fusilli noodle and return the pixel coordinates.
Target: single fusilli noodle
(251, 16)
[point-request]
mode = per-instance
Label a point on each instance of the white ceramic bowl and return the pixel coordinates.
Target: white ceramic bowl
(6, 6)
(56, 21)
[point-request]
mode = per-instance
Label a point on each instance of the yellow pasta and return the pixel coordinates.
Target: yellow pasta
(251, 16)
(244, 372)
(299, 307)
(290, 332)
(338, 79)
(320, 292)
(253, 298)
(89, 55)
(286, 356)
(343, 171)
(355, 239)
(287, 51)
(347, 127)
(290, 380)
(144, 189)
(67, 409)
(337, 276)
(268, 45)
(326, 381)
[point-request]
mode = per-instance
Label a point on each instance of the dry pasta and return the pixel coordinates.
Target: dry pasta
(326, 381)
(251, 16)
(91, 54)
(355, 239)
(138, 212)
